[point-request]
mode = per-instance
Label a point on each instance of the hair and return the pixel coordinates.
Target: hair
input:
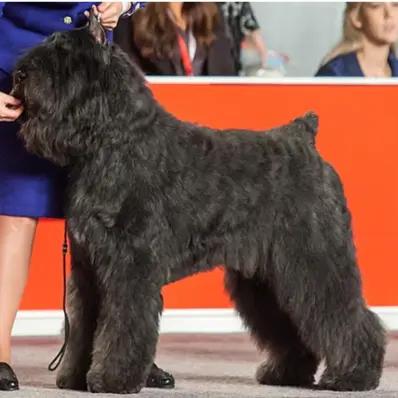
(154, 32)
(352, 37)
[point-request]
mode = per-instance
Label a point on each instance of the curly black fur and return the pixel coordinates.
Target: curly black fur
(152, 199)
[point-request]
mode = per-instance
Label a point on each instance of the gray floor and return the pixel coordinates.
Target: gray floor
(204, 366)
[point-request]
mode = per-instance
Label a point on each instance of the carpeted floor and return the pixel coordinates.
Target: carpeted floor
(211, 366)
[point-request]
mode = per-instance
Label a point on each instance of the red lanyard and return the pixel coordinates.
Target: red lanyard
(186, 60)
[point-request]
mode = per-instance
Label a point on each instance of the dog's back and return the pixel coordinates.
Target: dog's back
(305, 128)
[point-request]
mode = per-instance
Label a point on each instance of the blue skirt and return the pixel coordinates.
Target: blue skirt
(29, 186)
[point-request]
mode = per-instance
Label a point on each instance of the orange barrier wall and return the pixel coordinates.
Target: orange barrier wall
(358, 135)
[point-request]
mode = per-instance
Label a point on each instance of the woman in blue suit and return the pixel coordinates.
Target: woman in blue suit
(368, 48)
(31, 187)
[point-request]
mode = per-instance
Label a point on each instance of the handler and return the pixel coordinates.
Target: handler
(30, 187)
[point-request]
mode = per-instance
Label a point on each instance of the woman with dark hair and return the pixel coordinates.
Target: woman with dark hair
(185, 39)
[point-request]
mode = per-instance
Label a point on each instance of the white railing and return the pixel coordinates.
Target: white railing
(336, 81)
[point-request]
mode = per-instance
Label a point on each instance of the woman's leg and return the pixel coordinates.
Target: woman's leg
(16, 241)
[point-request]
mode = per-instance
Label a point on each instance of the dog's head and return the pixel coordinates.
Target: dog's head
(72, 87)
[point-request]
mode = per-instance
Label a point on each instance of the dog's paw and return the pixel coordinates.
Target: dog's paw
(96, 383)
(280, 376)
(69, 380)
(357, 381)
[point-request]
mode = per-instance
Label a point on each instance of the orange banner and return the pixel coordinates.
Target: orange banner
(358, 134)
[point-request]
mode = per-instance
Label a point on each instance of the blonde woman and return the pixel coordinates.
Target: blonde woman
(367, 49)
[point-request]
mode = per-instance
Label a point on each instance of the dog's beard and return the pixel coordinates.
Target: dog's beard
(18, 92)
(31, 107)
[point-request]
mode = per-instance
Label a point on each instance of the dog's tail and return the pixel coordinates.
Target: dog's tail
(310, 124)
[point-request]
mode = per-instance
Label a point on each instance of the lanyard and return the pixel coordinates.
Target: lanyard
(185, 55)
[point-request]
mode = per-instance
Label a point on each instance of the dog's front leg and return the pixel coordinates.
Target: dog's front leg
(127, 326)
(82, 311)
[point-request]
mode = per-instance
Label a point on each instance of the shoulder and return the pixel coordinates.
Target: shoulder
(342, 65)
(393, 61)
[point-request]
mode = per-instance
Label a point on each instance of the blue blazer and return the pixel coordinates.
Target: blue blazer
(24, 25)
(347, 65)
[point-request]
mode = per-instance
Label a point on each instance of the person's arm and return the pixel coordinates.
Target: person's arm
(250, 28)
(111, 12)
(10, 108)
(257, 39)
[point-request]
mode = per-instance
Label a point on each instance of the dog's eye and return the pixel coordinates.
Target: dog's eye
(20, 76)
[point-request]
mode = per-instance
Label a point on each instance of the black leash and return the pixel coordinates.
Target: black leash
(58, 358)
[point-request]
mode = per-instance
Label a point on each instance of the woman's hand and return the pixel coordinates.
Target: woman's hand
(10, 108)
(110, 13)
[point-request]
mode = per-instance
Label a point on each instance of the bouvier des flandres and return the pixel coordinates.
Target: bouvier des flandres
(152, 199)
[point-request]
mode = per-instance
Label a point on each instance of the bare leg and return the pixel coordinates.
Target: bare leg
(16, 241)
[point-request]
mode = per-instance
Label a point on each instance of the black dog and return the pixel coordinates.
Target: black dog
(152, 199)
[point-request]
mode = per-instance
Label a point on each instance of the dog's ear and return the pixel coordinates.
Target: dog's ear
(95, 28)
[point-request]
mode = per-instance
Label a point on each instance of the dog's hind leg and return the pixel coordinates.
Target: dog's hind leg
(355, 358)
(81, 305)
(317, 282)
(290, 362)
(127, 324)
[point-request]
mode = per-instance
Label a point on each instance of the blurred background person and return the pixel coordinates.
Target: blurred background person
(177, 38)
(370, 33)
(244, 30)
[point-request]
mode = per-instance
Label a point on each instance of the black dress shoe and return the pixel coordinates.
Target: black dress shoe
(8, 379)
(158, 378)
